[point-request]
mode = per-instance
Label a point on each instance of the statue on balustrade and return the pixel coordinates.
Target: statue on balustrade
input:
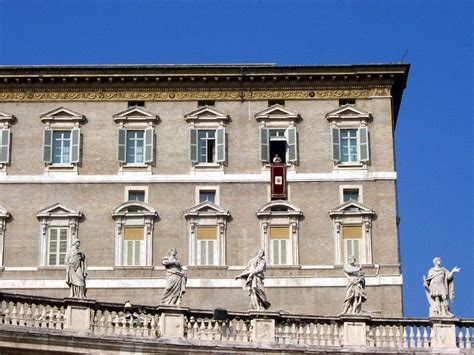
(76, 267)
(355, 292)
(175, 280)
(439, 289)
(252, 281)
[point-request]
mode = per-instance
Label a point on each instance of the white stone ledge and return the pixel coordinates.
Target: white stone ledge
(337, 175)
(271, 282)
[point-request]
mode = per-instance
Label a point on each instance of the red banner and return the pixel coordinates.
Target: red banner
(278, 182)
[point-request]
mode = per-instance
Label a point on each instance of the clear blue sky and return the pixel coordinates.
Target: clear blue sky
(434, 132)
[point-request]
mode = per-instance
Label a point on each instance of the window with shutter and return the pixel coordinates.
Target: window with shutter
(364, 144)
(279, 245)
(292, 147)
(149, 144)
(75, 145)
(134, 246)
(220, 143)
(206, 237)
(57, 246)
(122, 145)
(264, 145)
(352, 236)
(47, 145)
(193, 148)
(4, 146)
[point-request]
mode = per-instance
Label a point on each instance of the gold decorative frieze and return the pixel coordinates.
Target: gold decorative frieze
(184, 95)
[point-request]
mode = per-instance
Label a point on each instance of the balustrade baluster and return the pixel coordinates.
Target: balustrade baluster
(14, 319)
(468, 338)
(426, 342)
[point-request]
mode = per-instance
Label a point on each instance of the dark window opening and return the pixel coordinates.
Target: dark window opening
(207, 195)
(351, 194)
(210, 150)
(136, 103)
(276, 102)
(343, 102)
(202, 103)
(279, 208)
(136, 195)
(278, 147)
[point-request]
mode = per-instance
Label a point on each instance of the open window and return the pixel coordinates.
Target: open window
(6, 119)
(134, 224)
(207, 137)
(207, 224)
(352, 231)
(279, 224)
(59, 226)
(136, 138)
(278, 134)
(62, 139)
(349, 136)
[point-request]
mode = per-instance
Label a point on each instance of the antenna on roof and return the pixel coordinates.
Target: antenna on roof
(403, 57)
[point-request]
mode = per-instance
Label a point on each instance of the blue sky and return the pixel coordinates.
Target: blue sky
(435, 129)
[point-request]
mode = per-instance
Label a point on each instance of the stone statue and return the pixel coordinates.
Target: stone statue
(252, 281)
(175, 280)
(355, 292)
(76, 267)
(439, 289)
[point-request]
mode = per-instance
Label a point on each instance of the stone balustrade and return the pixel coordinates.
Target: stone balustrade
(195, 329)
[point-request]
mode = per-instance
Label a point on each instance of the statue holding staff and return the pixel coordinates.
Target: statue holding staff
(175, 279)
(252, 281)
(76, 267)
(355, 292)
(439, 289)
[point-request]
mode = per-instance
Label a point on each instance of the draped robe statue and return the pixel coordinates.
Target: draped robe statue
(175, 280)
(355, 292)
(439, 289)
(252, 281)
(76, 266)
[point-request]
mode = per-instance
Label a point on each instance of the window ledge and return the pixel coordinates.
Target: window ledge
(207, 267)
(360, 165)
(133, 267)
(51, 267)
(296, 267)
(207, 165)
(58, 167)
(132, 168)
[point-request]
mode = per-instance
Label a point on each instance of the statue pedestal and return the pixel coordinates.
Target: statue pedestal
(443, 332)
(78, 314)
(263, 326)
(172, 321)
(355, 329)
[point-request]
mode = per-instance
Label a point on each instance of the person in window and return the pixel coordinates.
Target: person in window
(75, 261)
(175, 279)
(277, 159)
(252, 281)
(355, 293)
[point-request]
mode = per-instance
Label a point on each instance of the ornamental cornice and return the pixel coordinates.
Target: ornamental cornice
(193, 94)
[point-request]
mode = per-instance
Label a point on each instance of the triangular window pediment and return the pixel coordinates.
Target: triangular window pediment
(62, 114)
(348, 112)
(206, 113)
(135, 113)
(3, 213)
(206, 208)
(351, 207)
(6, 117)
(58, 210)
(277, 112)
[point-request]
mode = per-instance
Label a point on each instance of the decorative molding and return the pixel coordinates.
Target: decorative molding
(185, 95)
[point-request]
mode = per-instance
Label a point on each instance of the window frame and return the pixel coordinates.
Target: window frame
(127, 190)
(6, 120)
(214, 188)
(360, 188)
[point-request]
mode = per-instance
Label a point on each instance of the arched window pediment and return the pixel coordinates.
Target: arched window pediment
(134, 208)
(279, 207)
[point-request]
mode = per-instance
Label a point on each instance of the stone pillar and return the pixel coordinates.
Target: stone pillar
(263, 326)
(78, 314)
(172, 321)
(443, 333)
(355, 330)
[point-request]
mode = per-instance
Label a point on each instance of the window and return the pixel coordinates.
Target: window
(207, 225)
(279, 222)
(136, 103)
(135, 137)
(278, 134)
(133, 246)
(134, 224)
(61, 138)
(350, 194)
(59, 227)
(280, 248)
(349, 136)
(352, 231)
(207, 195)
(206, 251)
(276, 102)
(6, 119)
(4, 216)
(343, 102)
(57, 245)
(134, 195)
(207, 139)
(202, 103)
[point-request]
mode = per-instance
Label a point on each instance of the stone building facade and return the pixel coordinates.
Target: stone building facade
(134, 160)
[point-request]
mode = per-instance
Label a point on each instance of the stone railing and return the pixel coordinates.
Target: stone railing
(247, 330)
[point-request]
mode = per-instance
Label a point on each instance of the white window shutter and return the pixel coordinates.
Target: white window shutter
(336, 144)
(193, 145)
(220, 145)
(364, 144)
(292, 144)
(122, 145)
(47, 145)
(264, 145)
(149, 144)
(75, 145)
(4, 146)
